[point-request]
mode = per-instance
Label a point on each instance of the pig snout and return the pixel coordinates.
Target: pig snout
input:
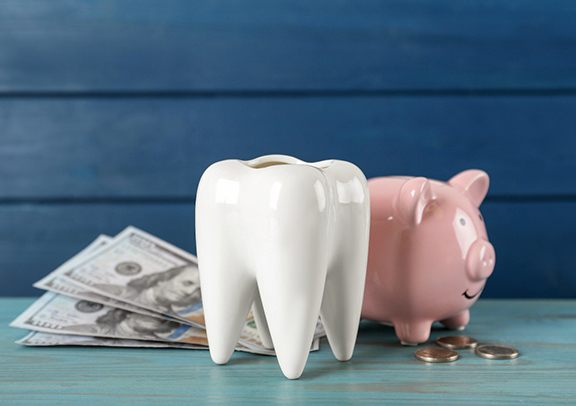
(480, 260)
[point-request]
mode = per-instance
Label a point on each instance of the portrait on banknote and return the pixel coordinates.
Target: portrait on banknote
(137, 268)
(169, 291)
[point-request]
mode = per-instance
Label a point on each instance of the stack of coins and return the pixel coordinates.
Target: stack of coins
(447, 346)
(435, 355)
(457, 342)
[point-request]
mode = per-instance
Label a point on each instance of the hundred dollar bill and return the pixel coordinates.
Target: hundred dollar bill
(38, 339)
(54, 313)
(58, 314)
(250, 336)
(67, 288)
(267, 351)
(57, 283)
(140, 269)
(54, 283)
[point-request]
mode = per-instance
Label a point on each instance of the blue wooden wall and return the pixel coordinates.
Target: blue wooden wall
(110, 110)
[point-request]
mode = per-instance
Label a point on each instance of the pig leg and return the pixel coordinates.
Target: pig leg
(458, 322)
(412, 332)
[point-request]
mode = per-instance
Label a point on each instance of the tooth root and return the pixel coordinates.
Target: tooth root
(342, 305)
(227, 296)
(344, 291)
(261, 323)
(291, 292)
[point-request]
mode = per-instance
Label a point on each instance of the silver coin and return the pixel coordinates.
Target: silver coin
(492, 351)
(435, 354)
(457, 342)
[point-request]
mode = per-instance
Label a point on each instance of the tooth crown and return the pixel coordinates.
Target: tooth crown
(291, 238)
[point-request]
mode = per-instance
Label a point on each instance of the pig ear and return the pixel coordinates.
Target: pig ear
(473, 183)
(414, 196)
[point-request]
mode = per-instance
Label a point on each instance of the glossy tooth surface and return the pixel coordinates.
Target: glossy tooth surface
(289, 238)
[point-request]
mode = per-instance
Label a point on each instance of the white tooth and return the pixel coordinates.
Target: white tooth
(227, 293)
(344, 291)
(291, 238)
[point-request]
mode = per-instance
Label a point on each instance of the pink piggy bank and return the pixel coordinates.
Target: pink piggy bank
(429, 252)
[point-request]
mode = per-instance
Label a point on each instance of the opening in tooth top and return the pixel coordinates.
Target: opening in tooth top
(268, 161)
(266, 164)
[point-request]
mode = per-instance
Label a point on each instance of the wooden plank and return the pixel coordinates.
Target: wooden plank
(286, 45)
(159, 147)
(381, 371)
(534, 249)
(533, 241)
(35, 239)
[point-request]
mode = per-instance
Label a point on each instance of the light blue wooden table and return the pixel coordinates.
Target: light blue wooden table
(381, 370)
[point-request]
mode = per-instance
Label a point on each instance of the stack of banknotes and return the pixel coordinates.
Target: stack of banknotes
(132, 290)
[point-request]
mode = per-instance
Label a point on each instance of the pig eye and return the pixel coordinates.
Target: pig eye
(462, 221)
(480, 217)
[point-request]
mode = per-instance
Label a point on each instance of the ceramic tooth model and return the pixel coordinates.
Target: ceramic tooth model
(429, 253)
(290, 237)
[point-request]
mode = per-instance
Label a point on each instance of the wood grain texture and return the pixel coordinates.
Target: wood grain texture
(35, 239)
(533, 241)
(223, 45)
(159, 147)
(381, 370)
